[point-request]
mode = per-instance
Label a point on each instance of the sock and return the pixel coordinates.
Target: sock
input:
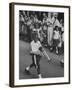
(39, 75)
(27, 68)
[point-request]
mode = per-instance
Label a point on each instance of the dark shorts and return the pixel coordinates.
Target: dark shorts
(55, 42)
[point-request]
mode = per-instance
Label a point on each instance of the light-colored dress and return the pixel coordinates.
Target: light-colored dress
(49, 32)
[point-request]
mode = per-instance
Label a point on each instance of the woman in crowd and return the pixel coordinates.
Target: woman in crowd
(44, 27)
(29, 23)
(21, 20)
(49, 30)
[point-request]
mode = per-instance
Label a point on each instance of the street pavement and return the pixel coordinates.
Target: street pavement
(50, 69)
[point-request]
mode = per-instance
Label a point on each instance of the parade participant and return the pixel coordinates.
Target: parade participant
(36, 50)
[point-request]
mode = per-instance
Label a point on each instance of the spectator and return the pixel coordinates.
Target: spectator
(50, 30)
(56, 37)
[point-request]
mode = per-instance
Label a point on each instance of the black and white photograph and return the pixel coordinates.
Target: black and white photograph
(41, 44)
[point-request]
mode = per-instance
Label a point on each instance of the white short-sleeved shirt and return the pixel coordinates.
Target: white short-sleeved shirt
(56, 35)
(35, 46)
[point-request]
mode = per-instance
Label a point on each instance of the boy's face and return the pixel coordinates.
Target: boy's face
(57, 29)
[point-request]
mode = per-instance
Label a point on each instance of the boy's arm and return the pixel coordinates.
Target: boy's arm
(44, 53)
(41, 49)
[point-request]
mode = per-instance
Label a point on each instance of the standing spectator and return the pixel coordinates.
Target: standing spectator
(21, 21)
(44, 26)
(56, 37)
(61, 33)
(50, 30)
(35, 18)
(55, 20)
(39, 31)
(63, 37)
(29, 21)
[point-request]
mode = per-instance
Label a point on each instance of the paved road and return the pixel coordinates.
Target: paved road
(48, 69)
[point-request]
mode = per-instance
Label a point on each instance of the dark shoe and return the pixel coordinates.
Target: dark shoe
(57, 52)
(27, 71)
(39, 76)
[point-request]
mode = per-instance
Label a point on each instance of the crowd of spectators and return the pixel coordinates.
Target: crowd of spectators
(48, 25)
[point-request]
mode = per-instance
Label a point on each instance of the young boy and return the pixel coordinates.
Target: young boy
(56, 37)
(36, 49)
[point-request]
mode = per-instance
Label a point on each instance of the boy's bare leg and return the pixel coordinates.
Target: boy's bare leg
(56, 50)
(38, 66)
(30, 66)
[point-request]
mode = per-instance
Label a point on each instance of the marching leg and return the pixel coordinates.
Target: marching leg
(38, 66)
(31, 65)
(35, 61)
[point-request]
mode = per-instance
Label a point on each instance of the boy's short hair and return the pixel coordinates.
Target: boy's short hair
(56, 27)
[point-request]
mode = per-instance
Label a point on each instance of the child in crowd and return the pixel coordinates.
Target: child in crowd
(56, 37)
